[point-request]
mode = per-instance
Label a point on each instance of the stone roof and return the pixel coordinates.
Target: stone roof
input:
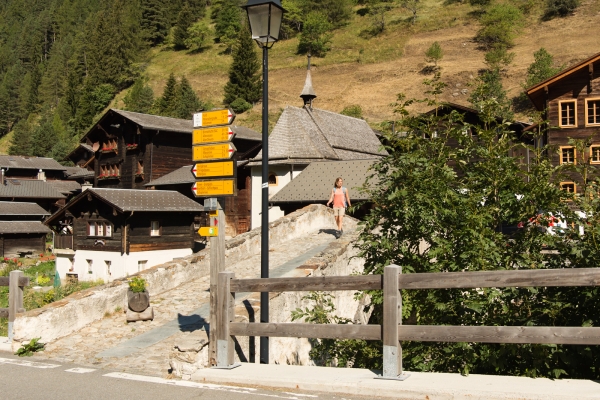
(65, 187)
(145, 200)
(21, 208)
(179, 176)
(246, 133)
(302, 133)
(156, 122)
(78, 172)
(23, 162)
(22, 188)
(23, 227)
(314, 184)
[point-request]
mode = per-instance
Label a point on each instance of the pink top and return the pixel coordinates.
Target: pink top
(338, 198)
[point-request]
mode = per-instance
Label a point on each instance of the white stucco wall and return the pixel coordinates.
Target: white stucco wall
(284, 176)
(120, 265)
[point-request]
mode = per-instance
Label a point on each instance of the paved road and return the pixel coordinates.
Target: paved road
(35, 378)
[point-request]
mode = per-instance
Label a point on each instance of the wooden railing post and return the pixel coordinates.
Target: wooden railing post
(225, 315)
(15, 300)
(392, 317)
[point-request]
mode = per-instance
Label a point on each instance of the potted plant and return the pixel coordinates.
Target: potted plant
(138, 298)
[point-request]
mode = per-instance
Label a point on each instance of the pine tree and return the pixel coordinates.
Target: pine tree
(315, 38)
(21, 142)
(228, 24)
(140, 97)
(184, 22)
(541, 68)
(30, 93)
(154, 22)
(165, 105)
(186, 100)
(43, 138)
(244, 73)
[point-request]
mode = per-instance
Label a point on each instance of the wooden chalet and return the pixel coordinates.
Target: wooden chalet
(111, 233)
(21, 229)
(36, 191)
(570, 101)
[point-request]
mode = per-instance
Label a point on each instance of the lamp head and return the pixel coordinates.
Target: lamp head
(264, 18)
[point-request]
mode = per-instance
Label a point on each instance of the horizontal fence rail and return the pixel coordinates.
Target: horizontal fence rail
(391, 332)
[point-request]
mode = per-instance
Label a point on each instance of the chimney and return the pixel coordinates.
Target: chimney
(2, 181)
(41, 175)
(85, 186)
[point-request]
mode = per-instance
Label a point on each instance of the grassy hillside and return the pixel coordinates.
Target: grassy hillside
(371, 70)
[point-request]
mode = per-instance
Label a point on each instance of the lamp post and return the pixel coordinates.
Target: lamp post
(265, 18)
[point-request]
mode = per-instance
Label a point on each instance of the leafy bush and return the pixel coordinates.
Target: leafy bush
(137, 284)
(315, 38)
(559, 8)
(28, 349)
(240, 105)
(499, 26)
(353, 110)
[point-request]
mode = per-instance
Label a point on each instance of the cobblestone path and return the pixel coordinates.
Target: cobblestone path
(91, 345)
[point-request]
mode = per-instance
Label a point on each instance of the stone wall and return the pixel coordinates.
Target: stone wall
(338, 259)
(71, 314)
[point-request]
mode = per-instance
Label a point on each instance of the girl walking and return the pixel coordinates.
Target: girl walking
(341, 200)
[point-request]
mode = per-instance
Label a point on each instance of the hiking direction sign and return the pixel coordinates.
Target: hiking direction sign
(213, 151)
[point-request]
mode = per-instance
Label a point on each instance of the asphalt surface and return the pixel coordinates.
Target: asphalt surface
(32, 378)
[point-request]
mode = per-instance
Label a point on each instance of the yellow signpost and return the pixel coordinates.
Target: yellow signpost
(208, 231)
(213, 118)
(213, 152)
(211, 135)
(216, 188)
(214, 169)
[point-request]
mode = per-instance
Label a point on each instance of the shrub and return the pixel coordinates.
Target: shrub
(500, 26)
(28, 349)
(559, 8)
(137, 284)
(353, 110)
(240, 105)
(315, 38)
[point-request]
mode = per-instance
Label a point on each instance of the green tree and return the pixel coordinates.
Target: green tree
(541, 68)
(140, 97)
(43, 137)
(499, 26)
(487, 91)
(413, 6)
(244, 72)
(93, 99)
(315, 38)
(154, 22)
(559, 8)
(353, 110)
(184, 22)
(21, 142)
(199, 35)
(434, 54)
(165, 105)
(337, 12)
(186, 101)
(228, 24)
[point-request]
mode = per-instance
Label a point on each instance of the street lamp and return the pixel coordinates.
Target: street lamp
(265, 18)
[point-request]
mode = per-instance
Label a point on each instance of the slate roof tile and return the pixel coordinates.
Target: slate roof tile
(23, 227)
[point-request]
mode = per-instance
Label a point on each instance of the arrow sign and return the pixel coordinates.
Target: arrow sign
(214, 169)
(211, 135)
(212, 118)
(213, 152)
(208, 231)
(225, 187)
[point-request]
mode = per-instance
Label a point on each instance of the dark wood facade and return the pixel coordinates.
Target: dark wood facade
(570, 102)
(15, 244)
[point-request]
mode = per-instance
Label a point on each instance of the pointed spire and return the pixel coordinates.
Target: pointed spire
(308, 93)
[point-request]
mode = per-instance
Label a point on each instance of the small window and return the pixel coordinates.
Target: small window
(100, 229)
(567, 155)
(568, 113)
(272, 179)
(154, 228)
(108, 230)
(595, 154)
(568, 187)
(91, 229)
(592, 112)
(90, 263)
(107, 266)
(142, 265)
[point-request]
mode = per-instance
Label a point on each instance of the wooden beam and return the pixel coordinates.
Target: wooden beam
(225, 315)
(392, 317)
(500, 334)
(327, 283)
(23, 281)
(332, 331)
(481, 279)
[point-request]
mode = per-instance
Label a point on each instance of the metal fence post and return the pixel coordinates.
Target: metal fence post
(15, 300)
(392, 317)
(225, 315)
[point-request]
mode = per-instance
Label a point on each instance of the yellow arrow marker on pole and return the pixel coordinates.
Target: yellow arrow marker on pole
(213, 118)
(210, 135)
(213, 169)
(224, 187)
(208, 231)
(213, 152)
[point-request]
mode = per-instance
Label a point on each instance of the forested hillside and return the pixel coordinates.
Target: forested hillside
(62, 62)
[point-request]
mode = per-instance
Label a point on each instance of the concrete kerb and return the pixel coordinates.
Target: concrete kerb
(421, 385)
(73, 313)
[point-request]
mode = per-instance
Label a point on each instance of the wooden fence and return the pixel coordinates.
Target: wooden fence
(392, 331)
(15, 282)
(62, 241)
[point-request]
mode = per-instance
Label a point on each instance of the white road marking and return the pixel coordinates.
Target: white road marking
(25, 363)
(301, 395)
(80, 370)
(198, 385)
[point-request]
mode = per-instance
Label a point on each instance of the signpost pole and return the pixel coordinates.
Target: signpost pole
(217, 264)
